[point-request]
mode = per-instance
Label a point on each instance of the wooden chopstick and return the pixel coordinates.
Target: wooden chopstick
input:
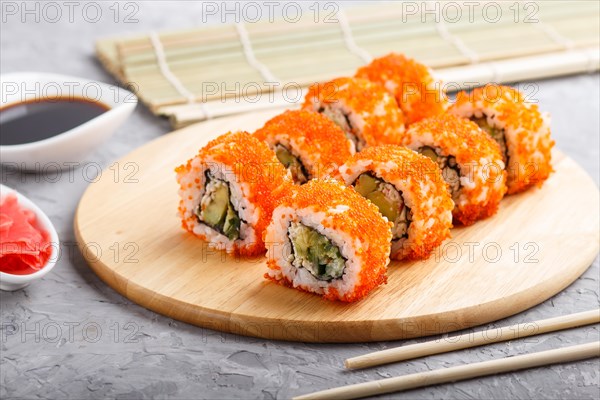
(412, 381)
(474, 339)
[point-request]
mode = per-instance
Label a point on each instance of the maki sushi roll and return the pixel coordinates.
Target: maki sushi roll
(417, 92)
(521, 131)
(308, 144)
(470, 161)
(409, 190)
(228, 192)
(367, 114)
(327, 239)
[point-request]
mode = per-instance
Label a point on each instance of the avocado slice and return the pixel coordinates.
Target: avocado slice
(374, 190)
(429, 152)
(483, 124)
(214, 213)
(386, 207)
(316, 253)
(495, 133)
(304, 239)
(292, 163)
(231, 225)
(285, 156)
(217, 211)
(366, 184)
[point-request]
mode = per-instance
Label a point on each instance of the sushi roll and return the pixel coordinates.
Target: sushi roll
(409, 190)
(308, 144)
(521, 131)
(417, 92)
(228, 192)
(327, 239)
(470, 161)
(367, 114)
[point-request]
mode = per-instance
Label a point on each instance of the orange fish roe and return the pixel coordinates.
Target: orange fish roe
(423, 191)
(482, 181)
(313, 138)
(371, 113)
(525, 130)
(418, 94)
(248, 165)
(363, 237)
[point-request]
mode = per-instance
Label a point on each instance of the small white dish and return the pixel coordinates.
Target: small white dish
(74, 145)
(11, 282)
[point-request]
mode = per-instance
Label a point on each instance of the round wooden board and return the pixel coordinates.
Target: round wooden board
(127, 229)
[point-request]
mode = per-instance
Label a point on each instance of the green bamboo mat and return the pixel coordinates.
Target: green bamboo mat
(194, 74)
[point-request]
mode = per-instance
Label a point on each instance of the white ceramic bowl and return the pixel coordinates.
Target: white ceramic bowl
(72, 146)
(12, 282)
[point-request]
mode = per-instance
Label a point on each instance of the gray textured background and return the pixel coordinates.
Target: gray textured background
(118, 349)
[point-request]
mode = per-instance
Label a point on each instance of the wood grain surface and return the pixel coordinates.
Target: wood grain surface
(127, 229)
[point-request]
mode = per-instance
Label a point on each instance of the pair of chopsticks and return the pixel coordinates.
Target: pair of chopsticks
(412, 381)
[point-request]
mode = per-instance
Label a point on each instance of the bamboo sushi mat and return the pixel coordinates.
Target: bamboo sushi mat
(196, 74)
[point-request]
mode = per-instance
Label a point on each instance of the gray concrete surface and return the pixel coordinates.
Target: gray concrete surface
(71, 336)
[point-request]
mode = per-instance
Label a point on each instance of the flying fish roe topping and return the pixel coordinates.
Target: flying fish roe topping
(452, 131)
(361, 219)
(512, 106)
(383, 119)
(313, 136)
(417, 92)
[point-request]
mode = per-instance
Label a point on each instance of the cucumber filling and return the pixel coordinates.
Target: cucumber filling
(448, 165)
(343, 121)
(495, 133)
(315, 252)
(293, 163)
(216, 210)
(389, 200)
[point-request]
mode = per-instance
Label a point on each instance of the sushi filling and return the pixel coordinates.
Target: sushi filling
(496, 134)
(315, 252)
(448, 165)
(342, 120)
(389, 200)
(292, 163)
(216, 209)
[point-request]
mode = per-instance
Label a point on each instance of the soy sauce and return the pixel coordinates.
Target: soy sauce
(41, 119)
